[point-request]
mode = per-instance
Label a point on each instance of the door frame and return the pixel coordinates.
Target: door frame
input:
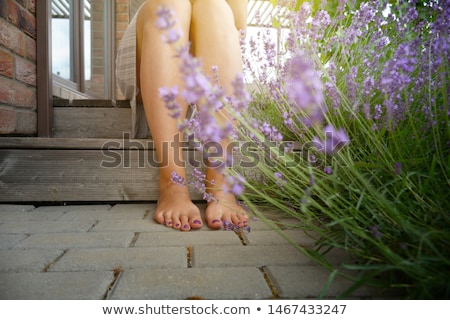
(44, 74)
(44, 95)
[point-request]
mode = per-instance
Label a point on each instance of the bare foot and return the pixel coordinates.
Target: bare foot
(225, 209)
(176, 210)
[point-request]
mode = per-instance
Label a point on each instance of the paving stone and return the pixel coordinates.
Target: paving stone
(129, 258)
(27, 260)
(267, 237)
(290, 223)
(31, 227)
(90, 285)
(247, 256)
(258, 225)
(8, 241)
(205, 283)
(300, 282)
(25, 213)
(14, 209)
(132, 211)
(119, 211)
(155, 267)
(34, 216)
(146, 225)
(78, 240)
(193, 238)
(84, 212)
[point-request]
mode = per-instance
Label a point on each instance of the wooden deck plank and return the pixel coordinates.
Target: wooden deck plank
(78, 175)
(74, 143)
(76, 122)
(88, 170)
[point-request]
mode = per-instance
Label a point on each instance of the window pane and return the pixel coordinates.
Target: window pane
(62, 39)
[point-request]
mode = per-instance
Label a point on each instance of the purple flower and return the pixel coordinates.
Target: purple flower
(235, 184)
(398, 168)
(171, 36)
(166, 21)
(169, 97)
(166, 18)
(328, 170)
(178, 180)
(280, 180)
(377, 112)
(241, 98)
(334, 140)
(227, 225)
(271, 132)
(207, 127)
(376, 232)
(312, 180)
(304, 88)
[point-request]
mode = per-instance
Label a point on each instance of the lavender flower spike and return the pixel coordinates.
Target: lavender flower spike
(166, 21)
(305, 88)
(334, 140)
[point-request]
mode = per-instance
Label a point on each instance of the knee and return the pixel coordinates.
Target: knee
(213, 14)
(150, 7)
(148, 14)
(157, 3)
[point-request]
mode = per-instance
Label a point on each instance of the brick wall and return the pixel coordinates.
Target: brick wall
(18, 67)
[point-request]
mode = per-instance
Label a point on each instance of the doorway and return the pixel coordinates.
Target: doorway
(82, 49)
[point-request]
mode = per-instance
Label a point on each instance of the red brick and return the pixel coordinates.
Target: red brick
(6, 64)
(30, 48)
(7, 121)
(16, 94)
(32, 6)
(20, 17)
(11, 37)
(23, 3)
(25, 71)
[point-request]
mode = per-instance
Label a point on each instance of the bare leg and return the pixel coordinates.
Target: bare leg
(158, 68)
(216, 41)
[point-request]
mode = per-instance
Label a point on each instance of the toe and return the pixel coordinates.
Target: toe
(185, 226)
(196, 223)
(175, 219)
(215, 223)
(243, 219)
(159, 217)
(213, 217)
(168, 221)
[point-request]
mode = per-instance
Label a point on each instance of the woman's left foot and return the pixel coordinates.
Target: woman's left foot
(224, 210)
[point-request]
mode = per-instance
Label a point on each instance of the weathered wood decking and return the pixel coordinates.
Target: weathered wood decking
(90, 158)
(77, 169)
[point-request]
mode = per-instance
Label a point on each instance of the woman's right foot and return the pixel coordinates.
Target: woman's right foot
(176, 210)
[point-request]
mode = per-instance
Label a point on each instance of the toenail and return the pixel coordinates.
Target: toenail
(186, 226)
(215, 221)
(177, 225)
(169, 223)
(197, 222)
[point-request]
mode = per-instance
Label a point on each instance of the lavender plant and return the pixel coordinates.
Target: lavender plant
(347, 129)
(364, 95)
